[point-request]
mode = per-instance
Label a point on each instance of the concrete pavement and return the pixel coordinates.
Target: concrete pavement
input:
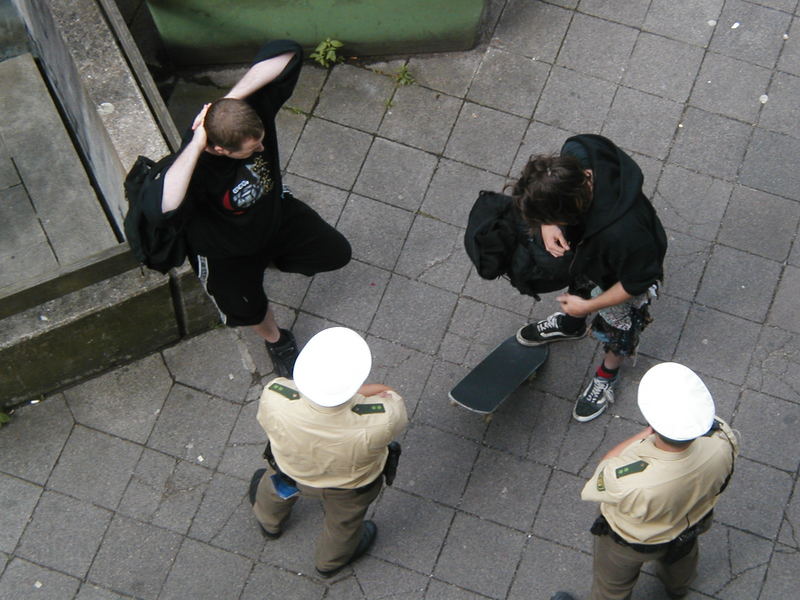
(133, 484)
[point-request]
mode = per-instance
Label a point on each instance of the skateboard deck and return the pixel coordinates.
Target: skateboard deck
(485, 388)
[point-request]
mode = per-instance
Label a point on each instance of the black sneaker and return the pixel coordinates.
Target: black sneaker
(546, 331)
(562, 596)
(283, 354)
(368, 535)
(251, 494)
(594, 399)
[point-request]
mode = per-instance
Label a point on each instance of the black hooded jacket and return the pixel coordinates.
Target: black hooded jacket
(622, 239)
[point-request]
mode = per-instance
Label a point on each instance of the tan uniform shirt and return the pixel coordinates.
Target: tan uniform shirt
(649, 496)
(341, 447)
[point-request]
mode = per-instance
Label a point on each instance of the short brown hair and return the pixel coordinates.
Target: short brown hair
(230, 122)
(551, 189)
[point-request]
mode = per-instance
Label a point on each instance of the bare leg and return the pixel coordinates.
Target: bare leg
(268, 328)
(612, 361)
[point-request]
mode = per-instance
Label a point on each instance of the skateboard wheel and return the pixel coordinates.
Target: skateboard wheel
(487, 418)
(453, 403)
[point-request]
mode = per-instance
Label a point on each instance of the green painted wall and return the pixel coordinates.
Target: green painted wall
(199, 32)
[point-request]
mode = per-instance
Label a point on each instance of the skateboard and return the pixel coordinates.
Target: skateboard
(485, 388)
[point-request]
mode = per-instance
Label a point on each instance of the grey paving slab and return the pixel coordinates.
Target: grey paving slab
(381, 580)
(450, 73)
(193, 426)
(112, 461)
(289, 125)
(767, 165)
(759, 36)
(413, 313)
(439, 590)
(774, 367)
(760, 223)
(125, 402)
(268, 579)
(25, 251)
(547, 567)
(496, 292)
(514, 485)
(204, 572)
(710, 143)
(631, 13)
(463, 559)
(444, 479)
(18, 499)
(403, 369)
(486, 138)
(784, 307)
(539, 139)
(164, 491)
(771, 421)
(329, 153)
(642, 122)
(781, 113)
(711, 343)
(781, 574)
(730, 87)
(755, 498)
(790, 533)
(533, 29)
(661, 66)
(50, 424)
(64, 534)
(508, 82)
(684, 264)
(581, 451)
(688, 21)
(8, 171)
(598, 47)
(326, 200)
(434, 407)
(663, 334)
(454, 189)
(789, 60)
(23, 580)
(723, 287)
(135, 558)
(434, 253)
(306, 92)
(574, 100)
(396, 174)
(216, 362)
(563, 497)
(354, 97)
(376, 231)
(566, 372)
(89, 591)
(420, 117)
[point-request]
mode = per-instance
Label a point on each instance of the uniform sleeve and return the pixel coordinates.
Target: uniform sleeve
(602, 487)
(399, 415)
(271, 97)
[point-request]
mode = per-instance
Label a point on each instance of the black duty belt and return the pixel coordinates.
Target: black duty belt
(676, 548)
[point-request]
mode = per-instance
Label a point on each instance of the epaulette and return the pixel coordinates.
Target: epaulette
(285, 391)
(634, 467)
(368, 409)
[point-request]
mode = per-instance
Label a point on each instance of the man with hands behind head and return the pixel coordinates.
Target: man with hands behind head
(226, 182)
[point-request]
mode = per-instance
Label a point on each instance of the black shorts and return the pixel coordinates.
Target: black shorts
(305, 244)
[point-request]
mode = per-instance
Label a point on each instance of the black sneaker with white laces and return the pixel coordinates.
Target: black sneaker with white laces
(594, 399)
(548, 330)
(283, 354)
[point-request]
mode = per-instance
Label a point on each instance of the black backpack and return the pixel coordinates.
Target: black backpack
(498, 243)
(157, 243)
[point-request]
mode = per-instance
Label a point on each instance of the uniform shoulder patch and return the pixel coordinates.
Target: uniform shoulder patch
(285, 391)
(601, 482)
(634, 467)
(368, 409)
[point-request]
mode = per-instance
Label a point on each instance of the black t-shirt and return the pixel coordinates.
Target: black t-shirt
(235, 204)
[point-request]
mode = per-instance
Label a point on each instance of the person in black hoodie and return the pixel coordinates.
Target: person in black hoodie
(588, 206)
(226, 183)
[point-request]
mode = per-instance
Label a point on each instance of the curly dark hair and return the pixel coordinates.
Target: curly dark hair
(552, 189)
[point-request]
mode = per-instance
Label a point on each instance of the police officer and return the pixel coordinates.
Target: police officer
(657, 490)
(328, 436)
